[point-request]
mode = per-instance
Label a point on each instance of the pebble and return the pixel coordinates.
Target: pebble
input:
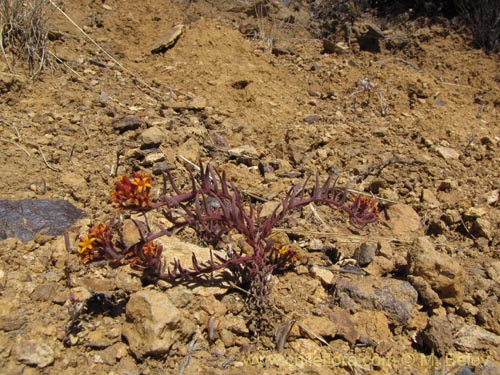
(34, 353)
(126, 123)
(447, 153)
(152, 137)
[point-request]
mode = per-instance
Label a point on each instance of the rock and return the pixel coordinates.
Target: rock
(76, 184)
(404, 221)
(154, 324)
(380, 266)
(44, 292)
(372, 326)
(152, 137)
(168, 41)
(326, 277)
(447, 153)
(427, 295)
(445, 276)
(317, 325)
(11, 323)
(438, 335)
(197, 103)
(153, 158)
(345, 326)
(34, 353)
(106, 334)
(472, 338)
(429, 198)
(396, 298)
(25, 218)
(481, 228)
(489, 368)
(365, 254)
(475, 212)
(488, 315)
(126, 123)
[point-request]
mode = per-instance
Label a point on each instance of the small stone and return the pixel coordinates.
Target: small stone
(473, 338)
(126, 123)
(319, 325)
(445, 276)
(311, 119)
(447, 185)
(169, 40)
(380, 266)
(44, 292)
(365, 254)
(154, 324)
(161, 167)
(153, 158)
(429, 198)
(428, 296)
(152, 137)
(227, 337)
(404, 221)
(326, 277)
(475, 212)
(438, 335)
(34, 353)
(451, 216)
(447, 153)
(197, 103)
(481, 228)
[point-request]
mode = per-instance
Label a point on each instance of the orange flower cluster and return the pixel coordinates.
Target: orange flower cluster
(145, 256)
(91, 245)
(286, 253)
(132, 192)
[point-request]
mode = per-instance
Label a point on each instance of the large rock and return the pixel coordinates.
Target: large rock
(28, 217)
(404, 221)
(444, 275)
(396, 298)
(154, 324)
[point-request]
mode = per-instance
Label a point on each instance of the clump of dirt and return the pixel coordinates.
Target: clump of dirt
(413, 122)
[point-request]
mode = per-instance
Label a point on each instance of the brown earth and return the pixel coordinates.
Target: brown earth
(416, 124)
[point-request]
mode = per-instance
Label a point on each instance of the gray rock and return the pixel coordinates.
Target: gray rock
(445, 276)
(25, 218)
(126, 123)
(396, 298)
(365, 254)
(34, 353)
(154, 324)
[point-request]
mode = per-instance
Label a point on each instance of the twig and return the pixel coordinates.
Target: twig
(190, 350)
(59, 60)
(317, 216)
(18, 146)
(46, 162)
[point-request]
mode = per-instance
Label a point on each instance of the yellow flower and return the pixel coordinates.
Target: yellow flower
(86, 243)
(142, 181)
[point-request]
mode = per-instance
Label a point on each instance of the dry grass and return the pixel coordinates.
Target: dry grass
(23, 35)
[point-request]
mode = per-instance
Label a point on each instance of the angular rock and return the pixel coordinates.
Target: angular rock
(152, 137)
(168, 40)
(34, 353)
(126, 123)
(365, 254)
(372, 326)
(447, 153)
(481, 228)
(471, 338)
(319, 325)
(25, 218)
(428, 296)
(445, 276)
(404, 221)
(154, 324)
(345, 326)
(396, 298)
(438, 335)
